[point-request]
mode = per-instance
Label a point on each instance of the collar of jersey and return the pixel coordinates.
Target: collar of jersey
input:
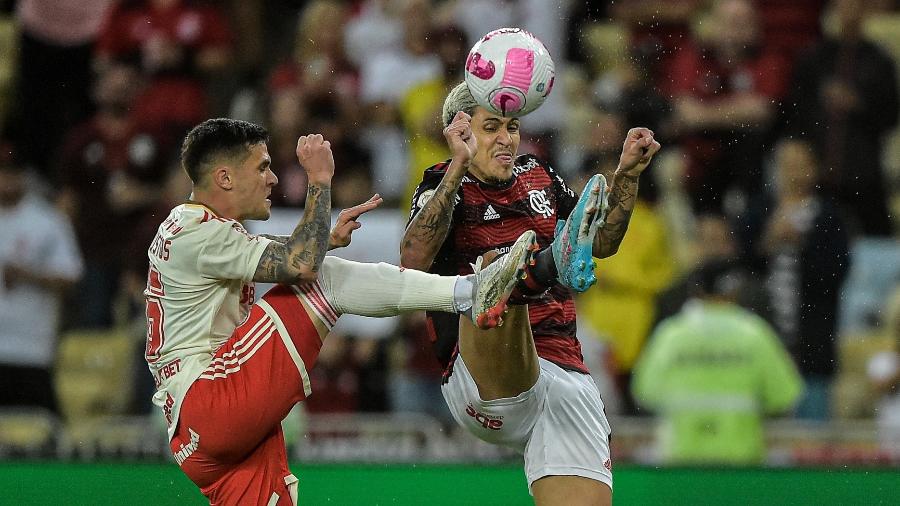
(205, 206)
(505, 185)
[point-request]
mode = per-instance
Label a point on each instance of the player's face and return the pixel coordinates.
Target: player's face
(254, 180)
(498, 141)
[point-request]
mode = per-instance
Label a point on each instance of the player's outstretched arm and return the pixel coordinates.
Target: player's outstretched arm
(299, 258)
(637, 151)
(428, 229)
(342, 231)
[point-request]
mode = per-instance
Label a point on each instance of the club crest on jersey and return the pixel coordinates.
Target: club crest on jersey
(539, 203)
(490, 213)
(425, 196)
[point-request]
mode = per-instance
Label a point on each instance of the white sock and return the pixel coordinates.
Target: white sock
(464, 292)
(383, 289)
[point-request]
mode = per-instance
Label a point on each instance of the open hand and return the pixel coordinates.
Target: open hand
(346, 222)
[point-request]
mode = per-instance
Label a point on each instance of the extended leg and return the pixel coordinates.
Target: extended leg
(387, 290)
(503, 361)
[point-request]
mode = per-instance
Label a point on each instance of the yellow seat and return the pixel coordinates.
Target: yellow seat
(94, 374)
(26, 429)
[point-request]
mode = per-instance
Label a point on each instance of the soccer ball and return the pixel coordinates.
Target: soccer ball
(509, 72)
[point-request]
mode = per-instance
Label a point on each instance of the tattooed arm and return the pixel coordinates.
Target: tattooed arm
(299, 258)
(637, 151)
(621, 204)
(428, 229)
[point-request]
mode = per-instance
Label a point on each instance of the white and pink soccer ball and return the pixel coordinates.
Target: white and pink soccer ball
(509, 72)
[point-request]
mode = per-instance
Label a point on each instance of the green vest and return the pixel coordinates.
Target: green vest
(711, 373)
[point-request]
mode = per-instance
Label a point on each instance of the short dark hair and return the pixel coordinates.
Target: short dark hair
(218, 137)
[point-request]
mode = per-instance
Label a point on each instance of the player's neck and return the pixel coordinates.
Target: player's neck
(219, 206)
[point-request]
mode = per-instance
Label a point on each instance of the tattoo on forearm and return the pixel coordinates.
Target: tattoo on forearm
(287, 258)
(429, 228)
(621, 203)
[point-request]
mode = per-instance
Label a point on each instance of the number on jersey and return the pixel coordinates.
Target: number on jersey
(155, 336)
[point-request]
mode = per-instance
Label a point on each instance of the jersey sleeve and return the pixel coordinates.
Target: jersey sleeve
(64, 257)
(430, 181)
(228, 251)
(565, 196)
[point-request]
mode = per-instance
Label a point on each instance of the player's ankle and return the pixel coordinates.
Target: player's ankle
(464, 294)
(540, 276)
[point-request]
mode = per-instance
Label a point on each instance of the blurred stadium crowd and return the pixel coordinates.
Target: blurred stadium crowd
(780, 161)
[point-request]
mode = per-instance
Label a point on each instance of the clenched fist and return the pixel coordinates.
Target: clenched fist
(637, 151)
(314, 155)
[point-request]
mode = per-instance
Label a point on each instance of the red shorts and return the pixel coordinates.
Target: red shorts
(229, 440)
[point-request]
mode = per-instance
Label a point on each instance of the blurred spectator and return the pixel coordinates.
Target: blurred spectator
(620, 308)
(56, 45)
(712, 372)
(726, 92)
(319, 67)
(714, 241)
(175, 44)
(884, 373)
(420, 108)
(316, 91)
(374, 28)
(110, 169)
(355, 184)
(415, 376)
(350, 376)
(790, 27)
(657, 29)
(845, 98)
(628, 91)
(805, 246)
(385, 79)
(336, 378)
(39, 259)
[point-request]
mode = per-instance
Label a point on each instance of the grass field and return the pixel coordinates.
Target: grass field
(163, 484)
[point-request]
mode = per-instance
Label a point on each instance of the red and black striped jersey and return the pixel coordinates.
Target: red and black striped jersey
(489, 216)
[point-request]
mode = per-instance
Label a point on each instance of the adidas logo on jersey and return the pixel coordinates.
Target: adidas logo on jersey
(490, 213)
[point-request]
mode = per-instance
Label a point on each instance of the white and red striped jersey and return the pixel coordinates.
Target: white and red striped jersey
(199, 289)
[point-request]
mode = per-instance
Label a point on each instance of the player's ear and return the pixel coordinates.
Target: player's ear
(222, 177)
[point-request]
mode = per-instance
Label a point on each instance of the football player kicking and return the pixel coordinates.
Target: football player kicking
(524, 385)
(228, 370)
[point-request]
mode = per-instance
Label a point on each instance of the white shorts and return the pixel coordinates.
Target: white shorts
(559, 424)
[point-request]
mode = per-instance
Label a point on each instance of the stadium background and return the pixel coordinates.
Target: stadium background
(95, 96)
